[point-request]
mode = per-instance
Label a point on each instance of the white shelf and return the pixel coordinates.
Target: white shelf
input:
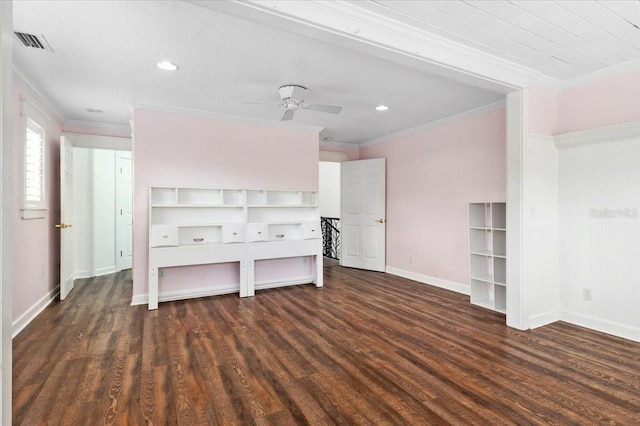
(483, 278)
(195, 226)
(487, 255)
(196, 206)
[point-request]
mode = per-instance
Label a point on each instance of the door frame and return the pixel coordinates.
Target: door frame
(111, 143)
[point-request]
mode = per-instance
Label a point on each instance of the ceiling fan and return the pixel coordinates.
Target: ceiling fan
(292, 99)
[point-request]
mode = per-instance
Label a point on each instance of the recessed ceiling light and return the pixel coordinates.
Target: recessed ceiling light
(167, 66)
(95, 110)
(328, 138)
(382, 107)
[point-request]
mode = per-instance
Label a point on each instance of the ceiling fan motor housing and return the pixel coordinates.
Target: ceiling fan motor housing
(291, 92)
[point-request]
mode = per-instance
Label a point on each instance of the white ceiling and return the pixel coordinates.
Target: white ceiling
(228, 52)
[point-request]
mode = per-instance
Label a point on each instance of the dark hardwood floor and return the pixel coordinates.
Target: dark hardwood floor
(368, 348)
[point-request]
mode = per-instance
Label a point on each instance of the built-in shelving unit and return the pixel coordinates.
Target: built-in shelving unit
(487, 255)
(192, 226)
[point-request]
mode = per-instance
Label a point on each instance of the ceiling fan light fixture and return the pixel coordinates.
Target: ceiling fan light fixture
(382, 107)
(167, 66)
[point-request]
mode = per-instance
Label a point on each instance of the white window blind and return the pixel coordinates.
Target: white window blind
(34, 150)
(34, 166)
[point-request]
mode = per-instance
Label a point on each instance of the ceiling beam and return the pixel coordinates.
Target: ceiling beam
(346, 24)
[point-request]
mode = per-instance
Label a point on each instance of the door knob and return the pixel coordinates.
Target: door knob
(63, 226)
(379, 220)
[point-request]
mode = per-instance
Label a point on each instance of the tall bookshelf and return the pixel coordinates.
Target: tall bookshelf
(487, 255)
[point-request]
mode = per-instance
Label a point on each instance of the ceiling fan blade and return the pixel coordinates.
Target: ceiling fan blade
(332, 109)
(263, 103)
(288, 115)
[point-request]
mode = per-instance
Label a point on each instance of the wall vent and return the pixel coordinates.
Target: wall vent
(33, 41)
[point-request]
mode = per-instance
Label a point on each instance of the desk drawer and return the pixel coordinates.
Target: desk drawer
(311, 231)
(258, 232)
(164, 236)
(233, 234)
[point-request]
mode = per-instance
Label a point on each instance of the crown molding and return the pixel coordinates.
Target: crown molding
(606, 134)
(226, 117)
(92, 125)
(40, 95)
(343, 145)
(384, 36)
(83, 140)
(599, 75)
(437, 123)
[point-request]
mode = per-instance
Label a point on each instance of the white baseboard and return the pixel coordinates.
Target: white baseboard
(81, 274)
(24, 319)
(545, 318)
(169, 296)
(261, 285)
(599, 324)
(105, 271)
(425, 279)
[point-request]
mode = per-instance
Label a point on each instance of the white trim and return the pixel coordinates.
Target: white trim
(92, 125)
(604, 326)
(437, 123)
(170, 296)
(348, 24)
(606, 134)
(114, 143)
(548, 138)
(261, 285)
(339, 145)
(545, 318)
(81, 275)
(517, 129)
(433, 281)
(38, 93)
(21, 322)
(104, 271)
(227, 117)
(33, 213)
(600, 74)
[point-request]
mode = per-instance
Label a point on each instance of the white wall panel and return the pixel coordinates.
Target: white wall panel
(329, 189)
(104, 231)
(82, 212)
(600, 236)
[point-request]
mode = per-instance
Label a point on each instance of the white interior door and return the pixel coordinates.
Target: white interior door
(124, 211)
(363, 232)
(66, 217)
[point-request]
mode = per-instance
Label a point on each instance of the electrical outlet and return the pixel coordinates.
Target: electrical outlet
(586, 294)
(411, 260)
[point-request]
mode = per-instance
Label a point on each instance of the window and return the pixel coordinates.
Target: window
(33, 203)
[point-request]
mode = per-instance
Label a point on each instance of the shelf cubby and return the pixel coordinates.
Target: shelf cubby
(488, 255)
(201, 226)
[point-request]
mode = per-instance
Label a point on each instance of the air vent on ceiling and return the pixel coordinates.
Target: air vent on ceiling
(33, 41)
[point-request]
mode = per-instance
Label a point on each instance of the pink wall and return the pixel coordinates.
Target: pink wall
(605, 102)
(432, 175)
(185, 150)
(543, 110)
(35, 242)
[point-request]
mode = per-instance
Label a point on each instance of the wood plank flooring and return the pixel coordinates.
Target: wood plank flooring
(368, 348)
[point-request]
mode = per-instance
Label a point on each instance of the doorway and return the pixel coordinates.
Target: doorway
(102, 199)
(102, 202)
(330, 202)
